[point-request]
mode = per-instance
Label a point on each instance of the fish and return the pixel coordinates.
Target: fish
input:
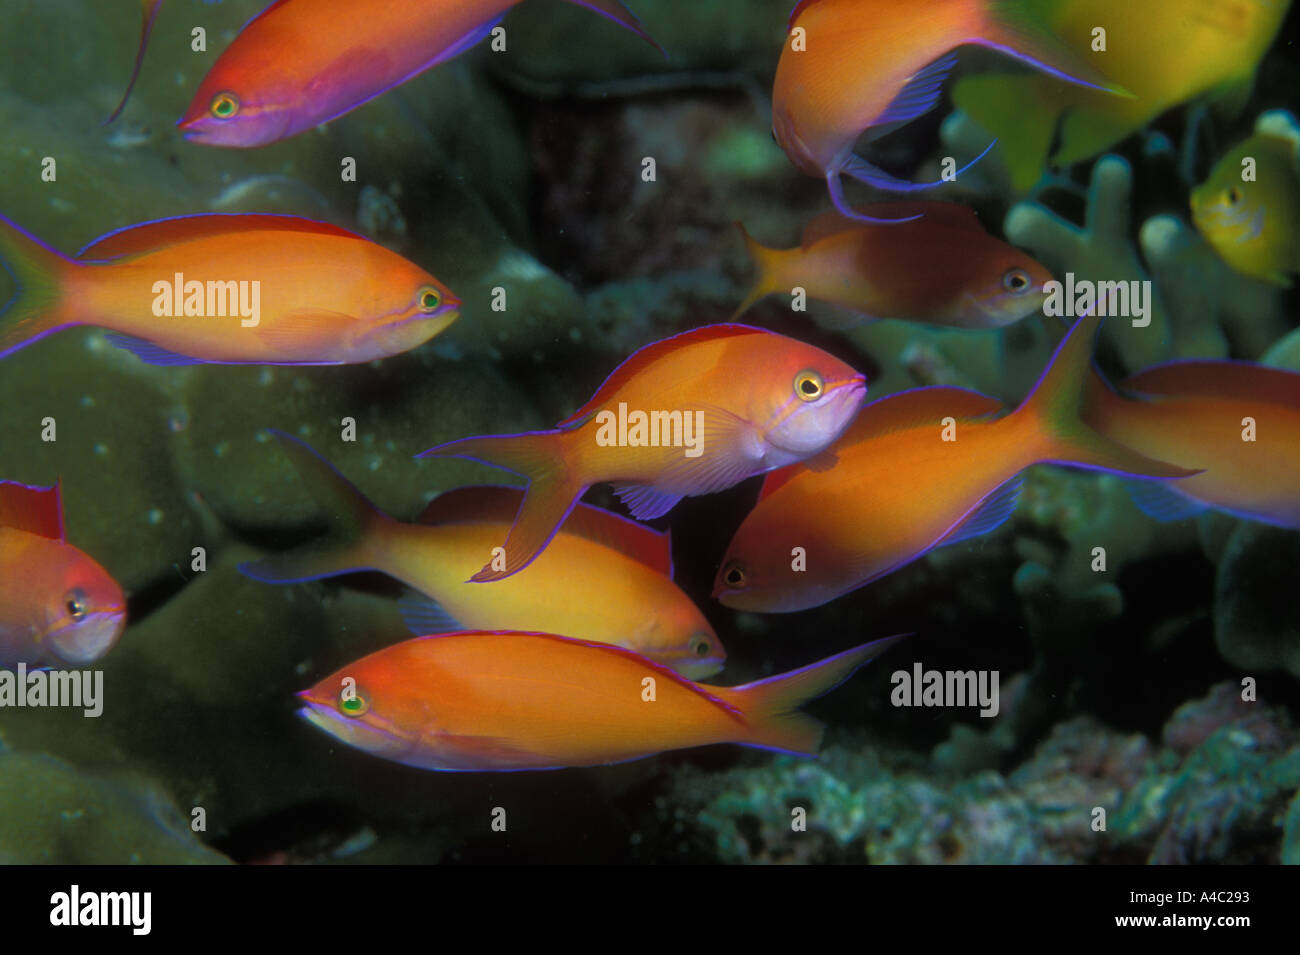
(149, 14)
(855, 66)
(940, 269)
(604, 579)
(1237, 422)
(149, 10)
(226, 289)
(506, 701)
(300, 63)
(58, 607)
(1254, 224)
(1165, 52)
(917, 470)
(692, 414)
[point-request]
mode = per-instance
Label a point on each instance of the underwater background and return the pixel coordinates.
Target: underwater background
(524, 170)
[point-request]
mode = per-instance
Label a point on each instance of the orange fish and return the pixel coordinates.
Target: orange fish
(850, 66)
(603, 578)
(300, 63)
(692, 414)
(917, 470)
(942, 268)
(228, 289)
(1237, 421)
(503, 701)
(57, 606)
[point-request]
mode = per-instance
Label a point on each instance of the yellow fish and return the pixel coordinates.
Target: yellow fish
(603, 578)
(1165, 52)
(1249, 208)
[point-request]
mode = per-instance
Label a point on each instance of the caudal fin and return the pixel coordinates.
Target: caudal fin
(1013, 27)
(552, 493)
(771, 705)
(356, 526)
(1015, 109)
(1053, 413)
(31, 312)
(148, 14)
(613, 10)
(764, 283)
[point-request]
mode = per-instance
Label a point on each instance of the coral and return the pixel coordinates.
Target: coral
(1256, 606)
(1218, 796)
(1291, 839)
(1201, 307)
(50, 813)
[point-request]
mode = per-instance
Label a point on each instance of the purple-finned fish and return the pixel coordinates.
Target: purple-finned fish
(856, 66)
(300, 63)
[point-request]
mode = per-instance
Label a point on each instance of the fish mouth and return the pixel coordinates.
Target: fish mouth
(842, 395)
(698, 669)
(89, 639)
(253, 127)
(358, 733)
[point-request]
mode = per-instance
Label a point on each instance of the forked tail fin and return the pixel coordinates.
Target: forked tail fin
(38, 271)
(552, 493)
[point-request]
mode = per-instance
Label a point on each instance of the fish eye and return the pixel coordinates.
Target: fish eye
(1016, 281)
(1234, 196)
(353, 703)
(224, 105)
(734, 576)
(76, 604)
(702, 648)
(429, 299)
(808, 385)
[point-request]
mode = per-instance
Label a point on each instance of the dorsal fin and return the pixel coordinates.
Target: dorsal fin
(638, 361)
(151, 236)
(1197, 378)
(36, 510)
(278, 3)
(951, 214)
(799, 8)
(495, 503)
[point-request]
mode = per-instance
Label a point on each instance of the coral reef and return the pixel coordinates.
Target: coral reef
(1215, 791)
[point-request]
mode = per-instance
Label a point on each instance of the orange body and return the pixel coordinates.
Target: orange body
(603, 577)
(857, 55)
(850, 66)
(506, 701)
(230, 289)
(941, 268)
(57, 606)
(916, 470)
(302, 62)
(1238, 421)
(692, 414)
